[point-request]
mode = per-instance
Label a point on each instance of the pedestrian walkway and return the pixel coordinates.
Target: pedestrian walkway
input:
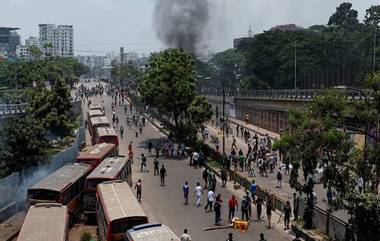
(269, 183)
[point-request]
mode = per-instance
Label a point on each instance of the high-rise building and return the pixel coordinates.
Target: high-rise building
(32, 41)
(9, 39)
(57, 40)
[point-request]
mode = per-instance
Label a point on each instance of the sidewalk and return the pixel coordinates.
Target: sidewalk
(255, 129)
(269, 183)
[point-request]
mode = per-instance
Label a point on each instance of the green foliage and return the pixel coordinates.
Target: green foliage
(340, 51)
(344, 15)
(372, 16)
(52, 108)
(127, 74)
(316, 138)
(22, 73)
(86, 236)
(200, 110)
(169, 86)
(169, 83)
(24, 143)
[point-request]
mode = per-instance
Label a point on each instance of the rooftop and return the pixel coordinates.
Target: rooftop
(108, 168)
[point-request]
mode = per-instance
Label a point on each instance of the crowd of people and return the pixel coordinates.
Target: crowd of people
(259, 155)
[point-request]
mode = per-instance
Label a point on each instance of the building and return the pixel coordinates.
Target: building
(32, 41)
(9, 40)
(57, 40)
(22, 52)
(285, 28)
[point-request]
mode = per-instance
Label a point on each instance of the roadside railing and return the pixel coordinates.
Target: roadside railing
(286, 94)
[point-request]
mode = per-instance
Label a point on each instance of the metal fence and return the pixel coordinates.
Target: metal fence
(334, 227)
(13, 188)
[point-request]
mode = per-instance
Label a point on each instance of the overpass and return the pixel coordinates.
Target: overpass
(9, 110)
(268, 108)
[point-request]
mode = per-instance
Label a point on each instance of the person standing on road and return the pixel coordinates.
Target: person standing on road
(287, 213)
(217, 144)
(230, 237)
(138, 187)
(213, 183)
(244, 209)
(155, 163)
(210, 200)
(233, 142)
(269, 211)
(185, 236)
(232, 206)
(279, 178)
(143, 163)
(224, 176)
(204, 176)
(262, 237)
(259, 203)
(121, 132)
(198, 193)
(253, 190)
(163, 175)
(217, 209)
(186, 190)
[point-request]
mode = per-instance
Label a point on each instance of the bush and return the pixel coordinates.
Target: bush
(86, 236)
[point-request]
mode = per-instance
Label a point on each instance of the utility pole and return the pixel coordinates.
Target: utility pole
(224, 125)
(374, 46)
(295, 65)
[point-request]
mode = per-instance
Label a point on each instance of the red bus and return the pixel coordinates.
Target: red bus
(117, 210)
(145, 232)
(107, 135)
(95, 107)
(95, 122)
(65, 186)
(94, 155)
(94, 113)
(111, 169)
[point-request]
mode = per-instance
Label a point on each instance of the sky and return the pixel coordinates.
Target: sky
(103, 26)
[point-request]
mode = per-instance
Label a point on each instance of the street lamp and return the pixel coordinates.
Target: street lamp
(366, 99)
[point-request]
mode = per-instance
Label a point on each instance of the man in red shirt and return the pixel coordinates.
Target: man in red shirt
(232, 206)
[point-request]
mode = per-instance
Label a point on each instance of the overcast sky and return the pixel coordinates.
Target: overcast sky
(105, 25)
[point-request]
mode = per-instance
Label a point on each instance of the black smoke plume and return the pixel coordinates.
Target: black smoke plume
(181, 23)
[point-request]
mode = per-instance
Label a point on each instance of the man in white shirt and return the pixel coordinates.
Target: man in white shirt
(185, 236)
(198, 193)
(210, 200)
(195, 158)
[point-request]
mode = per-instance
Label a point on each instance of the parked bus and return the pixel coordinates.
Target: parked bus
(110, 169)
(94, 113)
(95, 122)
(45, 221)
(94, 155)
(95, 107)
(117, 210)
(146, 232)
(63, 186)
(106, 134)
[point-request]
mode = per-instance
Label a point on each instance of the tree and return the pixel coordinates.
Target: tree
(315, 139)
(35, 52)
(169, 86)
(52, 108)
(26, 143)
(344, 15)
(372, 16)
(169, 83)
(200, 110)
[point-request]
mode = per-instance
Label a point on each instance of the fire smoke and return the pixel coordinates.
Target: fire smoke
(181, 23)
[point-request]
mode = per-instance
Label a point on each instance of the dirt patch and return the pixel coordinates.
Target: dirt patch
(76, 232)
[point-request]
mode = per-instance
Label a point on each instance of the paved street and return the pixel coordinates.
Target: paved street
(164, 204)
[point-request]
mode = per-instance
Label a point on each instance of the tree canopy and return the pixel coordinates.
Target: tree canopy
(340, 53)
(169, 86)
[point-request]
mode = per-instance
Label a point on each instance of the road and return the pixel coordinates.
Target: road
(164, 204)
